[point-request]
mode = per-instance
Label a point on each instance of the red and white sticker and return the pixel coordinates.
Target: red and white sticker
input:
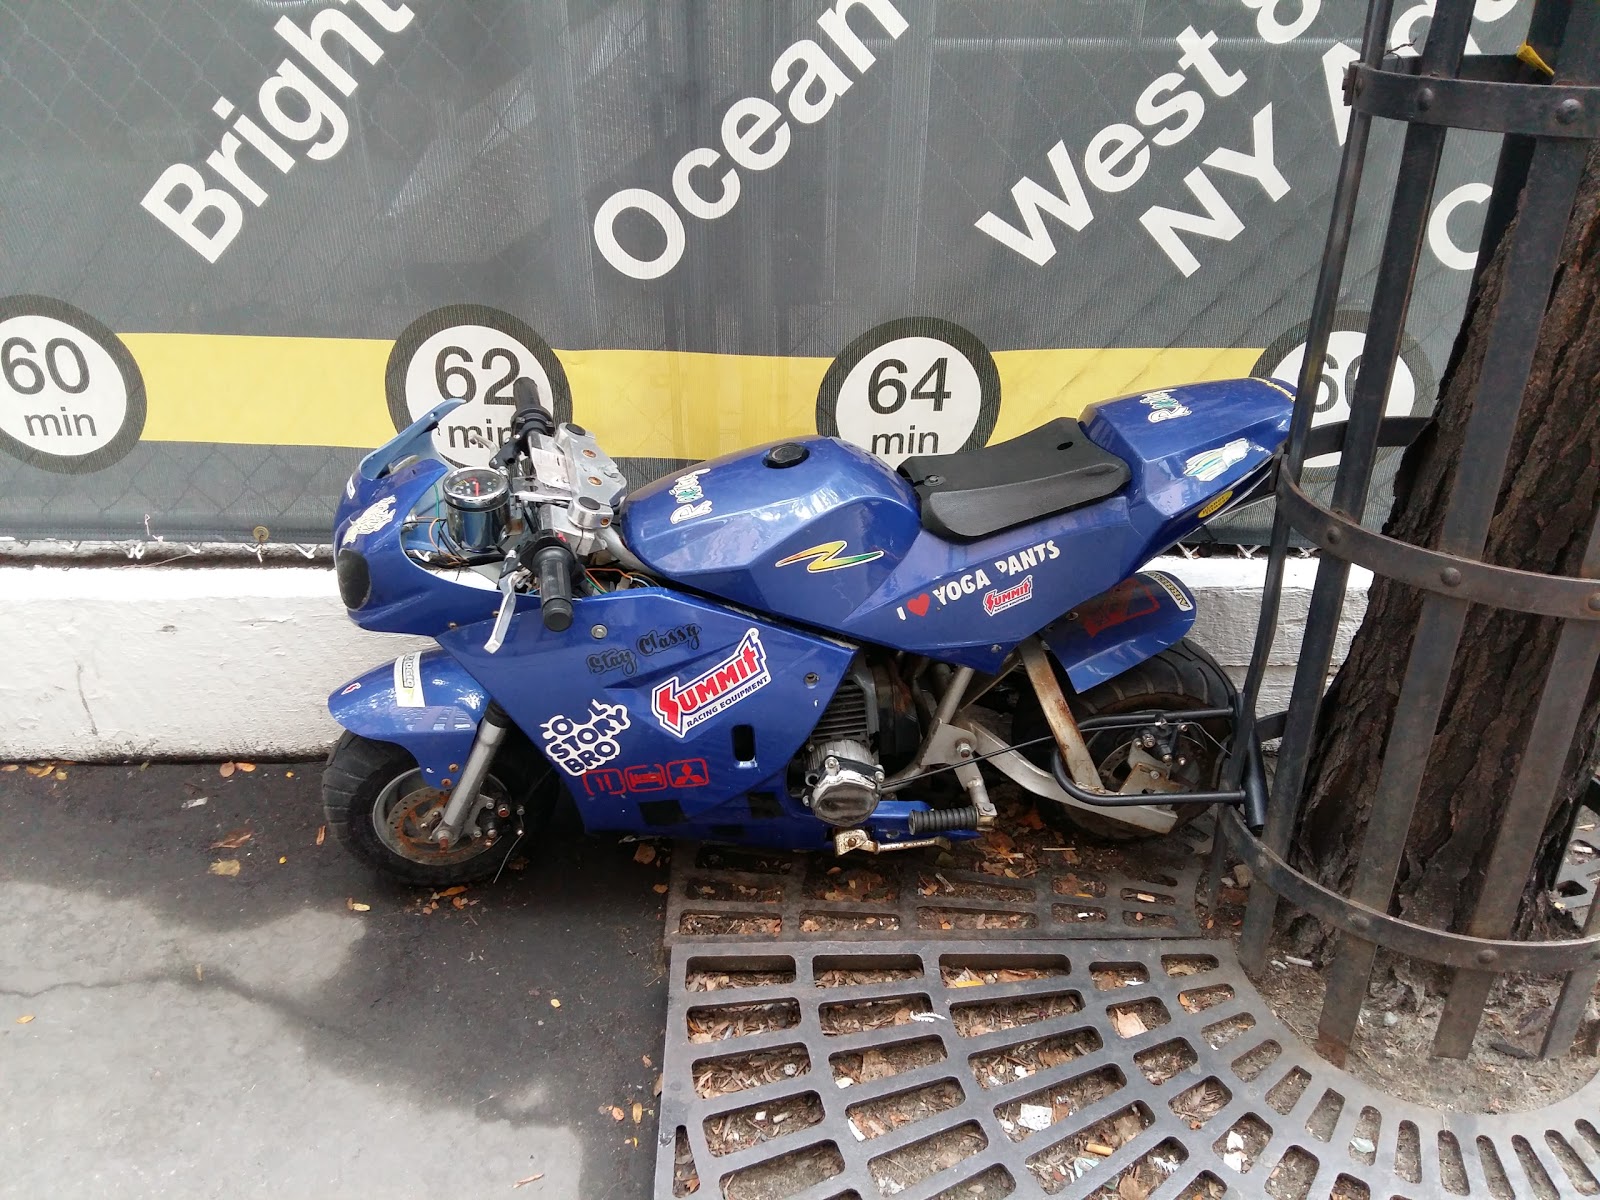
(1001, 599)
(681, 705)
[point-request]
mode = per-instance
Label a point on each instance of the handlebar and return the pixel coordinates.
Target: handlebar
(529, 416)
(551, 565)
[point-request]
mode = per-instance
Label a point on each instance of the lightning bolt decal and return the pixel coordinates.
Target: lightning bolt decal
(826, 558)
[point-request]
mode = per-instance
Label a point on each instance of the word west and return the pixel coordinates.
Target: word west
(576, 746)
(1168, 112)
(298, 109)
(755, 137)
(680, 706)
(648, 777)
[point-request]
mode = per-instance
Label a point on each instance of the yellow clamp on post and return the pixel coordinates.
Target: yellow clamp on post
(1527, 54)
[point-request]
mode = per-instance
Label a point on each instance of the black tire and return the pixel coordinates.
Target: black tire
(1181, 676)
(358, 772)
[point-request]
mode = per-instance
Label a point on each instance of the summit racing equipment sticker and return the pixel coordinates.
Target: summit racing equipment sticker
(679, 706)
(369, 521)
(1001, 599)
(579, 746)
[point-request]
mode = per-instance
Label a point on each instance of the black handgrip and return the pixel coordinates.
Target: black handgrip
(529, 417)
(553, 569)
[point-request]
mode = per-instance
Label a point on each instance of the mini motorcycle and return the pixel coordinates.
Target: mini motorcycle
(794, 645)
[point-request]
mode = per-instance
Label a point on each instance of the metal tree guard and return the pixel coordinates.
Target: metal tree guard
(1548, 123)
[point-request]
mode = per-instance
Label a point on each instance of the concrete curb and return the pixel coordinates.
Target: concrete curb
(150, 661)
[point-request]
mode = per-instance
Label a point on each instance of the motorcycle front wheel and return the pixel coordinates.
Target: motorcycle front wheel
(380, 809)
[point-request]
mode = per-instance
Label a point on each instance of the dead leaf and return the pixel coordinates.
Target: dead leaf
(288, 774)
(644, 854)
(225, 866)
(9, 767)
(450, 891)
(966, 983)
(1128, 1023)
(61, 774)
(638, 1112)
(458, 901)
(233, 841)
(356, 906)
(24, 1018)
(528, 1180)
(322, 832)
(554, 1003)
(616, 1113)
(42, 770)
(225, 770)
(199, 973)
(246, 767)
(655, 1088)
(660, 889)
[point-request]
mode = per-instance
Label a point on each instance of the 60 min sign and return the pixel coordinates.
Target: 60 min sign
(71, 396)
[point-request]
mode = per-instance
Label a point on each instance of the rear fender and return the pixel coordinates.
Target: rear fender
(425, 702)
(1121, 628)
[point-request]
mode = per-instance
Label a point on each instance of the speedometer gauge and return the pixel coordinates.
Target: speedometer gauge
(477, 498)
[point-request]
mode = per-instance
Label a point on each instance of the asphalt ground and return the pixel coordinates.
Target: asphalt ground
(167, 1031)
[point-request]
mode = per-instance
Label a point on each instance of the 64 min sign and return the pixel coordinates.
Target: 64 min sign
(913, 386)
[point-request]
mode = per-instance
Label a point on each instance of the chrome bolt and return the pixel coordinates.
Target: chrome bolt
(597, 632)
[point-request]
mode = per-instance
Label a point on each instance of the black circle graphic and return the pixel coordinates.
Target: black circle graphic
(1339, 376)
(433, 323)
(52, 366)
(889, 392)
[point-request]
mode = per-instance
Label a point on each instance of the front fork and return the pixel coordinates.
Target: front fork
(491, 734)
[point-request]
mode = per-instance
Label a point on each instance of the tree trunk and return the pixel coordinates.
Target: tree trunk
(1546, 508)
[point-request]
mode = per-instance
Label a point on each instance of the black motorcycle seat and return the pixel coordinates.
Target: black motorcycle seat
(1048, 470)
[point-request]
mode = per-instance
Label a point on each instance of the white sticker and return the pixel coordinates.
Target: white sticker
(686, 489)
(687, 512)
(62, 394)
(480, 364)
(408, 681)
(1164, 406)
(370, 521)
(1209, 464)
(551, 468)
(912, 395)
(681, 705)
(1174, 590)
(577, 745)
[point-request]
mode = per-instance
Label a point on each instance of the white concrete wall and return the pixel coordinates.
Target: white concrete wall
(142, 661)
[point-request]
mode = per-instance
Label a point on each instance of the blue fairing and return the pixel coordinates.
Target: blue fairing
(668, 713)
(424, 701)
(1106, 635)
(836, 542)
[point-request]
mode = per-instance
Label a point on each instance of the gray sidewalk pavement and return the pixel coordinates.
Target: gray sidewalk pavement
(190, 1034)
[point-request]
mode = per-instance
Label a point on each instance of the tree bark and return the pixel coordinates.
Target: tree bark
(1546, 507)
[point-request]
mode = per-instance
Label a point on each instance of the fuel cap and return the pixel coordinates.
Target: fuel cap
(789, 454)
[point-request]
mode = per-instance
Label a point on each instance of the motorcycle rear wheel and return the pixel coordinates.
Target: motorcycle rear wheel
(379, 808)
(1182, 676)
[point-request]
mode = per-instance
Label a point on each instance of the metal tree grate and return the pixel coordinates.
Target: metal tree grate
(1115, 1069)
(720, 894)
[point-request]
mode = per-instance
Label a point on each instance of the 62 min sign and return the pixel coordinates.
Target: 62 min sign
(71, 396)
(472, 353)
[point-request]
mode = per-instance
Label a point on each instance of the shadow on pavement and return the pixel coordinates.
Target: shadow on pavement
(196, 1034)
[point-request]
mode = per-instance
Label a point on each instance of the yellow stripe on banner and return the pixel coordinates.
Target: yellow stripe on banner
(285, 391)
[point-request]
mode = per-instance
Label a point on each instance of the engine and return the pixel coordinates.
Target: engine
(841, 767)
